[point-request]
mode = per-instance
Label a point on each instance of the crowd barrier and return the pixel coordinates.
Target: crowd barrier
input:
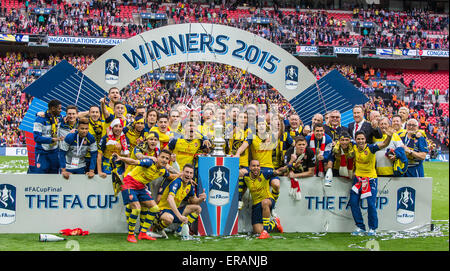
(49, 203)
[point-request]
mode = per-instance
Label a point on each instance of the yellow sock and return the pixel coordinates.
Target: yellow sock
(149, 218)
(132, 220)
(127, 211)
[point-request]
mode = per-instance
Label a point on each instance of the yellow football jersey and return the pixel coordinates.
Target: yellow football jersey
(283, 145)
(178, 190)
(235, 143)
(262, 150)
(108, 147)
(384, 166)
(365, 161)
(147, 171)
(163, 137)
(259, 187)
(133, 136)
(185, 149)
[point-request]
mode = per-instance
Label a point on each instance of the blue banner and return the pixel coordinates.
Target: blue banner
(65, 83)
(332, 92)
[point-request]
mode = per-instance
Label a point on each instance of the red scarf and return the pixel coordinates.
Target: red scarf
(295, 192)
(312, 145)
(346, 165)
(364, 185)
(112, 138)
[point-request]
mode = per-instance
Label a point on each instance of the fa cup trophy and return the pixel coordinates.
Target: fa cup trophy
(219, 141)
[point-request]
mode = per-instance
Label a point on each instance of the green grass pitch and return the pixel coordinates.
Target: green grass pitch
(435, 240)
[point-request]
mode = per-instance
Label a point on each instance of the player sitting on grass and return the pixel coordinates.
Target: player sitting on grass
(259, 183)
(172, 196)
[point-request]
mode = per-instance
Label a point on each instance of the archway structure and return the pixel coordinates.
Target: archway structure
(182, 43)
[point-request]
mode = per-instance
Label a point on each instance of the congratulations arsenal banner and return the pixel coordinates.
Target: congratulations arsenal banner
(219, 177)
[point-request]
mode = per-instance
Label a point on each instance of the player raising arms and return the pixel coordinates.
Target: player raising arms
(261, 146)
(136, 194)
(259, 183)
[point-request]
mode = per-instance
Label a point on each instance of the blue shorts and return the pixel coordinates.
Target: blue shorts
(132, 195)
(47, 162)
(175, 218)
(257, 212)
(415, 171)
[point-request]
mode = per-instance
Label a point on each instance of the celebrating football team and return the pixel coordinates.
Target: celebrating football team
(158, 152)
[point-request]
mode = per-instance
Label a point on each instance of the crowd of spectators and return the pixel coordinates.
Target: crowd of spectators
(424, 103)
(407, 30)
(17, 71)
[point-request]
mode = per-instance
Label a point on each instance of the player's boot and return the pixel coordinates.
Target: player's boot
(264, 235)
(144, 236)
(278, 224)
(131, 238)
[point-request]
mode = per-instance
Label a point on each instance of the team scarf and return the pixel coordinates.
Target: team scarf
(334, 132)
(53, 122)
(112, 140)
(319, 170)
(362, 184)
(344, 159)
(295, 191)
(98, 129)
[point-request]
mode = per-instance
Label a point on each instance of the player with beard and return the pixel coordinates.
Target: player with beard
(163, 130)
(264, 188)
